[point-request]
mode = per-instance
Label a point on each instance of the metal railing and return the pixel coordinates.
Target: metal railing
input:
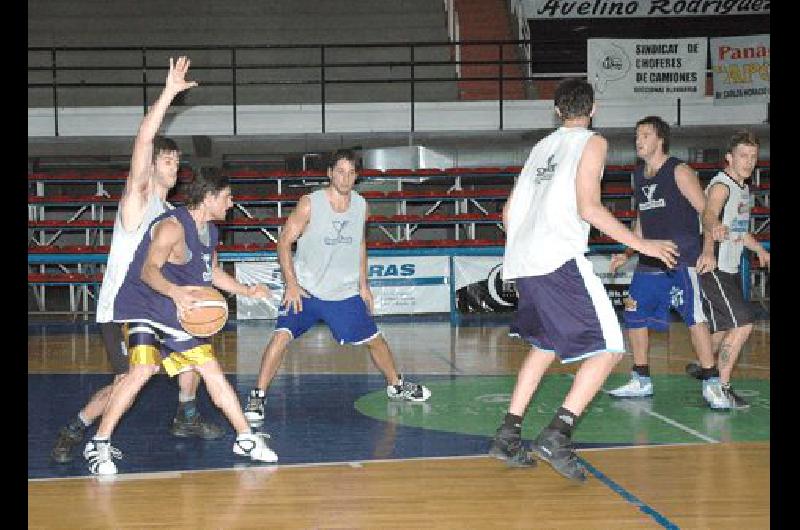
(54, 70)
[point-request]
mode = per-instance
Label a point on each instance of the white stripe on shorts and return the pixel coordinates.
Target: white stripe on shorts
(697, 303)
(612, 333)
(725, 299)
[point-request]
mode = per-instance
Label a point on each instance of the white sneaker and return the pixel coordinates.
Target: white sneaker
(638, 386)
(408, 391)
(100, 455)
(255, 446)
(714, 395)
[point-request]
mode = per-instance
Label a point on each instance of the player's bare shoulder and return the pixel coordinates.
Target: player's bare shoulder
(597, 142)
(167, 230)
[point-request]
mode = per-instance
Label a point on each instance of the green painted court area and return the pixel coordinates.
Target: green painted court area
(675, 414)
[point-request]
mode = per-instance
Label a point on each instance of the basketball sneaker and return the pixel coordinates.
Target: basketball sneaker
(507, 445)
(638, 386)
(67, 440)
(408, 391)
(254, 410)
(100, 454)
(185, 427)
(713, 394)
(693, 369)
(737, 401)
(556, 449)
(254, 445)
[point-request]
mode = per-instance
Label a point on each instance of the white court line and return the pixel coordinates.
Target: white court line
(681, 426)
(666, 420)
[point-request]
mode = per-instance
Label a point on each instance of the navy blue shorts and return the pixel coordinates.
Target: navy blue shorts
(652, 294)
(348, 319)
(567, 312)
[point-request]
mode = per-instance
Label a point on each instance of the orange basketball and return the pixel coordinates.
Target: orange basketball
(208, 316)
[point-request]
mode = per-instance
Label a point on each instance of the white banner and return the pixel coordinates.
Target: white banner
(400, 285)
(557, 9)
(647, 68)
(741, 69)
(410, 284)
(480, 287)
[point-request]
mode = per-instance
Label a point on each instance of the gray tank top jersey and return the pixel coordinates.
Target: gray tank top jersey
(123, 246)
(328, 257)
(736, 216)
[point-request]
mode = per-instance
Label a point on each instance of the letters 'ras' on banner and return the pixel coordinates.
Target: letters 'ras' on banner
(647, 68)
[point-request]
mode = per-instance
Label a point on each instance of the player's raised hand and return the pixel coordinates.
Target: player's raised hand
(176, 78)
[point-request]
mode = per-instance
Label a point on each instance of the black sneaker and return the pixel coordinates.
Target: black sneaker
(195, 427)
(556, 449)
(693, 369)
(254, 410)
(507, 445)
(737, 401)
(67, 440)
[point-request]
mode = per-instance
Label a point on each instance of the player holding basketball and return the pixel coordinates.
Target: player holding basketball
(153, 172)
(563, 310)
(327, 280)
(727, 218)
(175, 256)
(670, 202)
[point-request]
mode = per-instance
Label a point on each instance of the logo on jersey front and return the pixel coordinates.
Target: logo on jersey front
(547, 172)
(338, 227)
(650, 203)
(207, 273)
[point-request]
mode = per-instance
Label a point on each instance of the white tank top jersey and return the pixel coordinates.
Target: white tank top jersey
(736, 216)
(544, 229)
(123, 247)
(328, 257)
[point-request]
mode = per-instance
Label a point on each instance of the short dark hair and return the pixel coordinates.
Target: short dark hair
(163, 144)
(209, 180)
(574, 98)
(742, 137)
(341, 154)
(661, 128)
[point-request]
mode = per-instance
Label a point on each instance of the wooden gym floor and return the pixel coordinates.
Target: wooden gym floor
(351, 459)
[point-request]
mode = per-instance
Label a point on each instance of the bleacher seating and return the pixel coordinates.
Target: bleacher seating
(463, 204)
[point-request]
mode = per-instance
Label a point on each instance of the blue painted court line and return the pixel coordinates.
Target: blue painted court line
(628, 496)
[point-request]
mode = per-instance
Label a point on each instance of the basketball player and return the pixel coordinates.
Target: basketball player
(727, 217)
(175, 256)
(153, 172)
(670, 201)
(563, 309)
(327, 280)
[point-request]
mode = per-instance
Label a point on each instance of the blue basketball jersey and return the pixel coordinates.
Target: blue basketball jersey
(665, 213)
(137, 301)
